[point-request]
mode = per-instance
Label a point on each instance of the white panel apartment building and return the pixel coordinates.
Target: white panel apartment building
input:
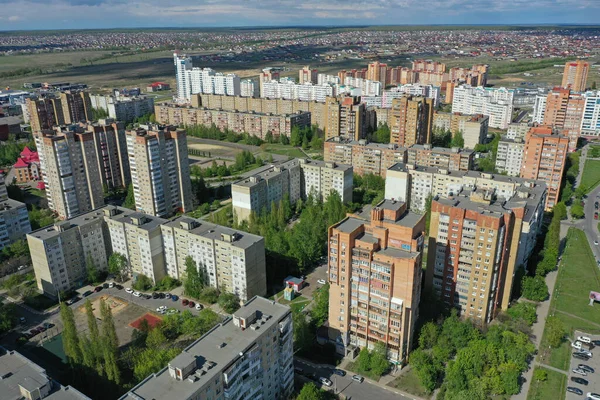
(231, 260)
(248, 356)
(123, 108)
(539, 108)
(497, 104)
(192, 80)
(297, 178)
(288, 89)
(509, 157)
(517, 130)
(14, 219)
(415, 89)
(249, 88)
(590, 123)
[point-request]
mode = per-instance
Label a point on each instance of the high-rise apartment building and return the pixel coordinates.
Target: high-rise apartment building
(377, 71)
(22, 379)
(297, 178)
(575, 75)
(229, 260)
(365, 158)
(288, 89)
(192, 80)
(77, 106)
(44, 113)
(454, 159)
(307, 75)
(123, 108)
(110, 146)
(375, 276)
(267, 75)
(71, 170)
(249, 355)
(497, 104)
(160, 172)
(509, 156)
(544, 158)
(249, 88)
(473, 251)
(410, 120)
(539, 109)
(14, 219)
(352, 119)
(564, 111)
(590, 122)
(474, 128)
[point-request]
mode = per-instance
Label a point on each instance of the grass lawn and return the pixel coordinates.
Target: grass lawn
(282, 150)
(353, 366)
(409, 382)
(591, 174)
(38, 192)
(552, 388)
(299, 306)
(594, 152)
(577, 276)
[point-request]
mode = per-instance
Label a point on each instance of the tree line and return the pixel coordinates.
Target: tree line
(212, 132)
(441, 137)
(243, 161)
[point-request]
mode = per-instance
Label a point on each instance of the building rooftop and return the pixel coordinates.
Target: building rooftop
(212, 231)
(428, 147)
(349, 224)
(217, 349)
(265, 172)
(50, 231)
(127, 216)
(376, 146)
(396, 253)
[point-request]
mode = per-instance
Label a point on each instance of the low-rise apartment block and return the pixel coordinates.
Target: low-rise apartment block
(473, 252)
(365, 158)
(252, 123)
(23, 379)
(296, 178)
(509, 156)
(453, 159)
(375, 261)
(230, 260)
(474, 128)
(249, 355)
(124, 108)
(160, 172)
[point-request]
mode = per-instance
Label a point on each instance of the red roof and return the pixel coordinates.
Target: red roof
(159, 84)
(21, 164)
(41, 185)
(30, 156)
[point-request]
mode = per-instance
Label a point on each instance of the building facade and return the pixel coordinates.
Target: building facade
(77, 106)
(375, 276)
(575, 75)
(564, 111)
(160, 171)
(124, 108)
(509, 156)
(497, 104)
(590, 122)
(410, 120)
(474, 128)
(192, 80)
(453, 159)
(307, 75)
(289, 89)
(44, 113)
(249, 355)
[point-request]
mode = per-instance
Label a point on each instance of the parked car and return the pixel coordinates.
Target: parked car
(97, 289)
(580, 356)
(574, 390)
(42, 329)
(596, 204)
(593, 396)
(358, 378)
(161, 308)
(168, 295)
(579, 380)
(586, 352)
(73, 300)
(49, 325)
(161, 295)
(86, 294)
(577, 345)
(105, 285)
(596, 342)
(339, 372)
(191, 304)
(21, 267)
(146, 296)
(584, 339)
(137, 294)
(586, 368)
(22, 320)
(596, 242)
(321, 281)
(174, 297)
(172, 311)
(155, 295)
(185, 302)
(579, 371)
(111, 285)
(325, 381)
(119, 287)
(299, 370)
(129, 290)
(199, 307)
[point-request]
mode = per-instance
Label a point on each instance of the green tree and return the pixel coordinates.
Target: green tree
(382, 134)
(364, 360)
(93, 275)
(320, 309)
(109, 332)
(117, 265)
(577, 211)
(142, 282)
(194, 280)
(555, 331)
(425, 369)
(458, 140)
(540, 375)
(69, 336)
(428, 202)
(209, 295)
(311, 392)
(379, 363)
(428, 336)
(534, 288)
(130, 199)
(303, 337)
(525, 311)
(7, 317)
(229, 302)
(296, 136)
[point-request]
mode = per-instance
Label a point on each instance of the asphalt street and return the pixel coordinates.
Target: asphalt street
(345, 384)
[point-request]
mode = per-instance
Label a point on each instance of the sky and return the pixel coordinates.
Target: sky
(81, 14)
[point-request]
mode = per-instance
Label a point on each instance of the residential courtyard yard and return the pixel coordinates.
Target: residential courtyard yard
(591, 174)
(552, 388)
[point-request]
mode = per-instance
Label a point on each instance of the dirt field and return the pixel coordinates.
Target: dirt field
(215, 150)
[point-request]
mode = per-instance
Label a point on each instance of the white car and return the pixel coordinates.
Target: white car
(137, 294)
(161, 308)
(584, 339)
(111, 284)
(325, 381)
(199, 306)
(593, 396)
(577, 345)
(580, 371)
(321, 281)
(129, 290)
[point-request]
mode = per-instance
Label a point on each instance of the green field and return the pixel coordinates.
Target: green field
(577, 276)
(409, 382)
(591, 174)
(552, 388)
(281, 150)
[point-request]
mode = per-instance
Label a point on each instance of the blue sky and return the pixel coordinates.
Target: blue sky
(71, 14)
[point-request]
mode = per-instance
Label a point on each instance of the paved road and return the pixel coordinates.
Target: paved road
(346, 386)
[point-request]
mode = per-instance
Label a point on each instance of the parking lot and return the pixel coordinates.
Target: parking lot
(592, 378)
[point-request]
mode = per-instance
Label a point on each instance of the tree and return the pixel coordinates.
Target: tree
(193, 281)
(69, 336)
(109, 333)
(540, 375)
(458, 140)
(428, 202)
(93, 275)
(296, 136)
(525, 311)
(534, 288)
(130, 199)
(320, 310)
(142, 282)
(117, 265)
(364, 360)
(229, 302)
(7, 317)
(209, 295)
(428, 336)
(382, 134)
(577, 211)
(303, 336)
(311, 392)
(555, 331)
(379, 363)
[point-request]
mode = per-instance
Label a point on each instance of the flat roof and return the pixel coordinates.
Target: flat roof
(125, 215)
(222, 346)
(363, 143)
(454, 150)
(265, 172)
(349, 224)
(396, 253)
(49, 231)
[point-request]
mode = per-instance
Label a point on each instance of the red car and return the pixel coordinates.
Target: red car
(185, 302)
(98, 288)
(595, 215)
(191, 304)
